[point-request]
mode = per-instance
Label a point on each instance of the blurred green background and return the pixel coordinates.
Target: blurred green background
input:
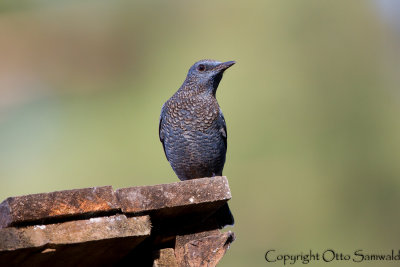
(312, 108)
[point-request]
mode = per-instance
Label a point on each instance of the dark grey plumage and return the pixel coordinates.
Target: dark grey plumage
(192, 127)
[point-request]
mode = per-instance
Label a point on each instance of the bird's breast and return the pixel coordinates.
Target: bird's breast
(192, 114)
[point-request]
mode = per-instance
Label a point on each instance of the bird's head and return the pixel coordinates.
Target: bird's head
(207, 74)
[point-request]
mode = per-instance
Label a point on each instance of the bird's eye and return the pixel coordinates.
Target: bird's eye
(201, 67)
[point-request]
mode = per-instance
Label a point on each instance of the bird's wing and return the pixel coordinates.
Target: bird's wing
(223, 130)
(161, 132)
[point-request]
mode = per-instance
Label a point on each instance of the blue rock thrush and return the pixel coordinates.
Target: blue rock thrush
(192, 127)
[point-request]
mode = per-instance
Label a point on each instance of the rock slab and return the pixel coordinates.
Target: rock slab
(47, 207)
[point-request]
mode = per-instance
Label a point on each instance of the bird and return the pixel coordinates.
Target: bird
(192, 128)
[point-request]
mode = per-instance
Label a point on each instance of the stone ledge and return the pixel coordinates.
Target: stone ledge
(156, 225)
(198, 196)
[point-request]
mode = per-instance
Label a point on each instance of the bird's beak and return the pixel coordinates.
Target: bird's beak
(223, 66)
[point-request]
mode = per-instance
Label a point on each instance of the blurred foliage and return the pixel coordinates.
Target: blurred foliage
(311, 106)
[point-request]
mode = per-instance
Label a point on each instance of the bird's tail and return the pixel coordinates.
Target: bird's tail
(224, 216)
